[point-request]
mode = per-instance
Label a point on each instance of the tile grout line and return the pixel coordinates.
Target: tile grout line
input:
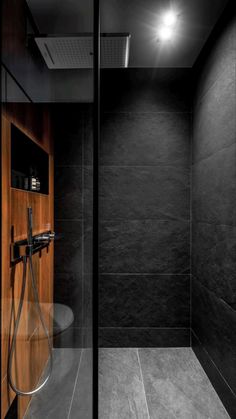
(76, 379)
(139, 362)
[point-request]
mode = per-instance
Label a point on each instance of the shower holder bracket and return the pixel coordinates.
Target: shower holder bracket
(22, 248)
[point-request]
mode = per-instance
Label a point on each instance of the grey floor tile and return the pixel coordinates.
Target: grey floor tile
(82, 403)
(54, 400)
(177, 387)
(120, 385)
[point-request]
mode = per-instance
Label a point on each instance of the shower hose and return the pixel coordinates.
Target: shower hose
(17, 322)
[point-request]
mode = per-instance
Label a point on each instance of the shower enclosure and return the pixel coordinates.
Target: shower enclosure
(118, 186)
(47, 170)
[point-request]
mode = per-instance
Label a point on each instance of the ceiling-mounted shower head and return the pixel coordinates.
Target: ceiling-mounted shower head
(71, 52)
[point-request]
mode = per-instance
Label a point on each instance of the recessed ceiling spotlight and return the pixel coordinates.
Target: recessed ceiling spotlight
(169, 18)
(165, 33)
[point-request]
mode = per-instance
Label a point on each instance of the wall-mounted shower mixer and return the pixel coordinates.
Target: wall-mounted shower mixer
(24, 251)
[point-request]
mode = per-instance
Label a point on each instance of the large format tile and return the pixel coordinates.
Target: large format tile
(121, 391)
(82, 403)
(220, 56)
(144, 300)
(214, 322)
(54, 400)
(214, 123)
(72, 130)
(144, 192)
(223, 390)
(142, 337)
(72, 337)
(177, 387)
(213, 259)
(68, 193)
(68, 248)
(144, 246)
(88, 191)
(145, 139)
(68, 290)
(146, 90)
(214, 187)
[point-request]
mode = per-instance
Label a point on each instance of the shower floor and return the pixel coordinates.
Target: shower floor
(142, 383)
(156, 384)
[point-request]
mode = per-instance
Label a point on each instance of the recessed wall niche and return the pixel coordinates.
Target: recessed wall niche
(29, 163)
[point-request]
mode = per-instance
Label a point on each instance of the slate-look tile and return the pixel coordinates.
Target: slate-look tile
(53, 401)
(220, 60)
(69, 134)
(68, 193)
(220, 385)
(177, 387)
(121, 392)
(68, 248)
(214, 119)
(144, 192)
(82, 403)
(214, 322)
(213, 259)
(146, 90)
(214, 188)
(68, 290)
(88, 192)
(144, 246)
(144, 300)
(71, 337)
(145, 139)
(142, 337)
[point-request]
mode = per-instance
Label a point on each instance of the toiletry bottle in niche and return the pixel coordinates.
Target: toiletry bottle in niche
(38, 183)
(32, 180)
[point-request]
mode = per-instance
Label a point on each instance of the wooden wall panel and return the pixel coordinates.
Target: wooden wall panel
(31, 352)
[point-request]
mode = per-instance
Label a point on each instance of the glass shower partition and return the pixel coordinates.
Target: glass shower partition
(48, 144)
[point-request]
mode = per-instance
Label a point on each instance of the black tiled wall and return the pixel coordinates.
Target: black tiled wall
(73, 220)
(214, 212)
(144, 290)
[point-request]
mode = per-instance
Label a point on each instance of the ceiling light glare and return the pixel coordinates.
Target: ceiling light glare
(169, 18)
(165, 33)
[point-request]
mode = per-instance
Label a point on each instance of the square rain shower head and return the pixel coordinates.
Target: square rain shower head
(71, 52)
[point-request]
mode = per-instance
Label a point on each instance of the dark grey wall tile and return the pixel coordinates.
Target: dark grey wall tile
(144, 300)
(214, 119)
(68, 150)
(88, 152)
(144, 192)
(221, 57)
(73, 337)
(214, 322)
(226, 395)
(88, 246)
(68, 290)
(214, 188)
(68, 249)
(144, 246)
(88, 300)
(213, 259)
(68, 192)
(88, 192)
(146, 90)
(73, 133)
(143, 337)
(145, 139)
